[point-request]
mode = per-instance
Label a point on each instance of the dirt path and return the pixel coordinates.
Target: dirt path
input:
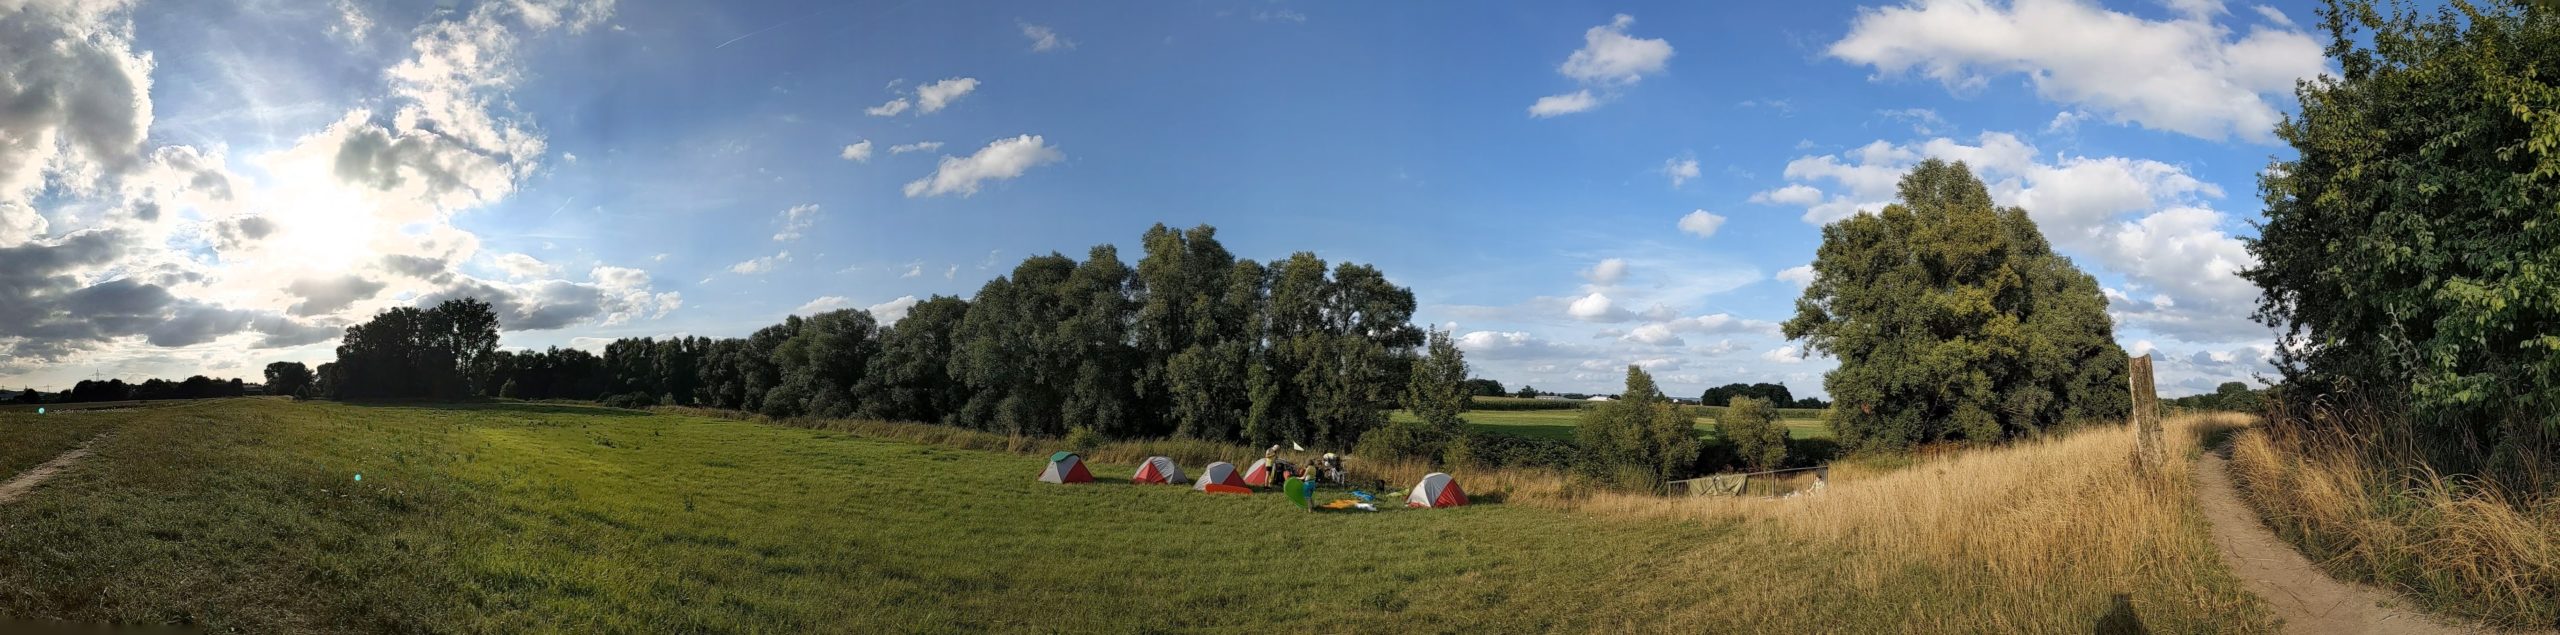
(27, 481)
(2307, 598)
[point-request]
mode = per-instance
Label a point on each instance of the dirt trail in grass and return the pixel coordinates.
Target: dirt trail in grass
(2308, 599)
(27, 481)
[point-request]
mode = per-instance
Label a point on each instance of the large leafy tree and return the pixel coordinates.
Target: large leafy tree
(288, 378)
(1953, 319)
(407, 352)
(910, 379)
(2411, 250)
(1639, 441)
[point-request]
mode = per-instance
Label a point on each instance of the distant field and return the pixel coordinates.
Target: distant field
(1558, 424)
(244, 515)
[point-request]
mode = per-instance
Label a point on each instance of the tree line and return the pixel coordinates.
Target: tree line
(1774, 396)
(88, 391)
(1191, 341)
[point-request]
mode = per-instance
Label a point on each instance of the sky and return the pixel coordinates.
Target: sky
(1570, 188)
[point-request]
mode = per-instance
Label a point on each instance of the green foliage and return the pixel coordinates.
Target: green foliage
(439, 353)
(1638, 441)
(1480, 387)
(2231, 396)
(1752, 427)
(2410, 250)
(1083, 440)
(1528, 392)
(288, 378)
(909, 378)
(1953, 319)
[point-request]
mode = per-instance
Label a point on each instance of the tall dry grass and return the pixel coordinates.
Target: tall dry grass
(2361, 509)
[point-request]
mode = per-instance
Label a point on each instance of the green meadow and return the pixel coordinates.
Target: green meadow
(246, 515)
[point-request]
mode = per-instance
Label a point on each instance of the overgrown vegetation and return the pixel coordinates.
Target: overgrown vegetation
(1639, 441)
(1954, 320)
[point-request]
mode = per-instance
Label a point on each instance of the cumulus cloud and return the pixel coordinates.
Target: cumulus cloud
(2187, 74)
(892, 311)
(796, 220)
(78, 100)
(933, 97)
(1504, 345)
(890, 108)
(1784, 355)
(1609, 60)
(1701, 223)
(325, 295)
(1597, 307)
(1801, 275)
(1043, 39)
(524, 266)
(920, 146)
(999, 161)
(1680, 169)
(858, 152)
(823, 304)
(1608, 272)
(1564, 104)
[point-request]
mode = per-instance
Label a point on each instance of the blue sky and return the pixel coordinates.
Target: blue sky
(1570, 187)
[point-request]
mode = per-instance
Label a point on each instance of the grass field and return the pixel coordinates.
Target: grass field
(1558, 424)
(245, 514)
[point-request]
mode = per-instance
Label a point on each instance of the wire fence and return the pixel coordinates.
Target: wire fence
(1772, 483)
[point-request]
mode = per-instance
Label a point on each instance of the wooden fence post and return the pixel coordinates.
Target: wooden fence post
(2149, 453)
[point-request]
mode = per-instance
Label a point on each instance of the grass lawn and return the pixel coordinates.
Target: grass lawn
(245, 514)
(1558, 424)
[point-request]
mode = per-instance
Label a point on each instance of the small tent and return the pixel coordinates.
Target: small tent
(1436, 490)
(1066, 467)
(1159, 470)
(1220, 478)
(1260, 474)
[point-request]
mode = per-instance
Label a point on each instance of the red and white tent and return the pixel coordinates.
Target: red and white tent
(1159, 470)
(1436, 490)
(1220, 477)
(1066, 467)
(1260, 474)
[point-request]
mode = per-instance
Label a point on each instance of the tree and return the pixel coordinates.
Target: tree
(407, 352)
(1751, 425)
(909, 379)
(28, 396)
(1528, 392)
(288, 378)
(1436, 395)
(1485, 388)
(1953, 319)
(1775, 394)
(820, 363)
(2408, 248)
(1639, 441)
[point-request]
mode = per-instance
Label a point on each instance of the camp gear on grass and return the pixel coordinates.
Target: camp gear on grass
(1436, 490)
(1066, 467)
(1221, 474)
(1159, 470)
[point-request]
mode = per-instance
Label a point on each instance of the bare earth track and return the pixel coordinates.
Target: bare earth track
(27, 481)
(2307, 598)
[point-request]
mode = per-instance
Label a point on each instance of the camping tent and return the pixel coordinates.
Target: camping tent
(1436, 490)
(1066, 467)
(1220, 477)
(1159, 470)
(1260, 474)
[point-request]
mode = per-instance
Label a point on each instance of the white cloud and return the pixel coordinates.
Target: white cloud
(1702, 223)
(1784, 355)
(892, 311)
(914, 269)
(1597, 307)
(933, 97)
(1794, 194)
(1002, 160)
(1043, 39)
(823, 304)
(1493, 345)
(2273, 16)
(1609, 60)
(1923, 121)
(352, 24)
(1801, 275)
(1608, 272)
(1680, 169)
(523, 266)
(889, 109)
(1610, 56)
(797, 220)
(1564, 104)
(760, 265)
(859, 152)
(920, 146)
(952, 273)
(2187, 74)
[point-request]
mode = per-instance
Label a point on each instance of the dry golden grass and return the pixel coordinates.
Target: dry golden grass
(2460, 546)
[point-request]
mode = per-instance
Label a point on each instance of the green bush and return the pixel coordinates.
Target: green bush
(1083, 440)
(1752, 426)
(1401, 440)
(1638, 441)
